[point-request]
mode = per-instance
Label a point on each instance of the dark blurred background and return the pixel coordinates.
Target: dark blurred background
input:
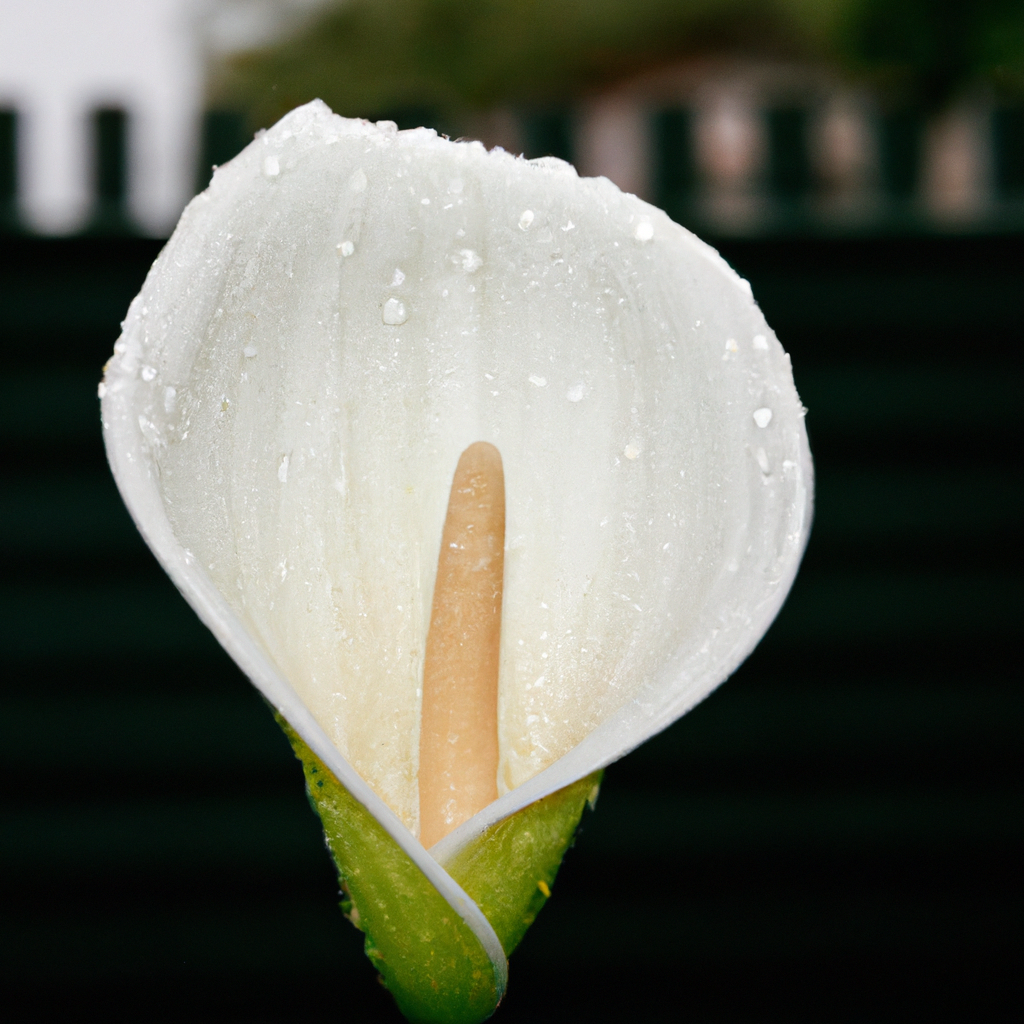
(835, 835)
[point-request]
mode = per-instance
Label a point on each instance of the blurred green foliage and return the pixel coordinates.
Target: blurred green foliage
(925, 51)
(374, 57)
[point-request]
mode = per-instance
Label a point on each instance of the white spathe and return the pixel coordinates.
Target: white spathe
(334, 321)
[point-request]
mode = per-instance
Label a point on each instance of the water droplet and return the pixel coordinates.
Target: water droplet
(762, 417)
(358, 180)
(631, 451)
(644, 231)
(424, 201)
(151, 432)
(148, 373)
(760, 342)
(525, 219)
(101, 390)
(762, 461)
(576, 393)
(470, 260)
(170, 395)
(282, 469)
(397, 278)
(541, 382)
(731, 348)
(249, 351)
(394, 312)
(271, 166)
(346, 248)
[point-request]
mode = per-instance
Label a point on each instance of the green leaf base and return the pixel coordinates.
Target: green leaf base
(427, 956)
(509, 870)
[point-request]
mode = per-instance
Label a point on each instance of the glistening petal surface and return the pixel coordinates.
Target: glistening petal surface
(340, 315)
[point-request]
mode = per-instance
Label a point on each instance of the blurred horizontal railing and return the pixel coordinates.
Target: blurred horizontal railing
(806, 169)
(776, 169)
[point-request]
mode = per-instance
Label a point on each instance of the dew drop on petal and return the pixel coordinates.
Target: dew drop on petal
(151, 432)
(346, 248)
(631, 451)
(525, 219)
(271, 166)
(249, 351)
(644, 231)
(541, 382)
(762, 417)
(470, 260)
(397, 278)
(575, 393)
(395, 312)
(760, 343)
(148, 373)
(282, 469)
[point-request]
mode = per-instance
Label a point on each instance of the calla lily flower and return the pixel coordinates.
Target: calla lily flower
(345, 313)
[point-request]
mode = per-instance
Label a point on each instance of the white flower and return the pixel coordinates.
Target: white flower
(296, 488)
